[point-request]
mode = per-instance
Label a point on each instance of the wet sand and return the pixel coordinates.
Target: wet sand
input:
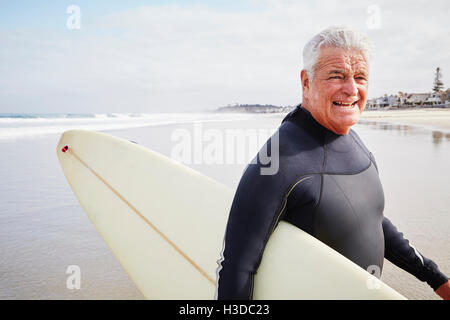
(427, 117)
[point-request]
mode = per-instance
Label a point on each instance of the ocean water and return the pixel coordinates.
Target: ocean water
(44, 231)
(14, 126)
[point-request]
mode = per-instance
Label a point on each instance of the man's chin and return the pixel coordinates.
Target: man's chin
(343, 125)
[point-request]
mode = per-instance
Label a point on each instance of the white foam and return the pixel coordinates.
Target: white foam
(11, 128)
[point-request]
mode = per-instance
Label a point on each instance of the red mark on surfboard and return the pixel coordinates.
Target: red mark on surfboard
(65, 148)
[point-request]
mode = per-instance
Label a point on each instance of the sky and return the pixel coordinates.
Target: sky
(180, 56)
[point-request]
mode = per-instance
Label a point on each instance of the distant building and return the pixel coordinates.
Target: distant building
(371, 103)
(382, 102)
(402, 96)
(434, 98)
(403, 99)
(392, 100)
(441, 97)
(417, 98)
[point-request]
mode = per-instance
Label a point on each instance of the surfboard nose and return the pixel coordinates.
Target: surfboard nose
(63, 143)
(66, 141)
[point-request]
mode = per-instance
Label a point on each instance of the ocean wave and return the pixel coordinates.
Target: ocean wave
(26, 125)
(29, 117)
(44, 115)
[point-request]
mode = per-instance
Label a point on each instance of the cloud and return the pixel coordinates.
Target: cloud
(181, 58)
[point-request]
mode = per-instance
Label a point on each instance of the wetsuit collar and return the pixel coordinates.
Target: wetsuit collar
(304, 119)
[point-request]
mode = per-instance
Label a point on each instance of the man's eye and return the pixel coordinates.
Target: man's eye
(335, 77)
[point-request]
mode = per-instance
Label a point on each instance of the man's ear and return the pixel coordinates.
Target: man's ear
(304, 80)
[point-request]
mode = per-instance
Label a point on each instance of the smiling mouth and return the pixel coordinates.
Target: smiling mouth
(345, 104)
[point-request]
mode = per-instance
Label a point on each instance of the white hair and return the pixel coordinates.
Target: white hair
(337, 37)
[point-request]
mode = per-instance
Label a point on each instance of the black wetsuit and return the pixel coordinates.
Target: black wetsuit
(326, 185)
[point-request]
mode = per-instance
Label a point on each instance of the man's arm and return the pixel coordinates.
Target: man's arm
(400, 252)
(253, 215)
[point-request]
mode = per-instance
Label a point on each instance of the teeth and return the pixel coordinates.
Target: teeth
(344, 104)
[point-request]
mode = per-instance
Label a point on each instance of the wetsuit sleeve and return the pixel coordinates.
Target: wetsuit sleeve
(400, 252)
(252, 218)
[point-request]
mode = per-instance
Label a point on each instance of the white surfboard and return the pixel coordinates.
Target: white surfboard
(165, 224)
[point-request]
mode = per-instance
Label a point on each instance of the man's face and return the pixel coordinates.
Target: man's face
(337, 94)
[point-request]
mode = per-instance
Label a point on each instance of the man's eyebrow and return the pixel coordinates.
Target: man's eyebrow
(336, 71)
(362, 73)
(340, 71)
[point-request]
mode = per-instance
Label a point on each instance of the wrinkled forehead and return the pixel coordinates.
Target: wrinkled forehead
(349, 60)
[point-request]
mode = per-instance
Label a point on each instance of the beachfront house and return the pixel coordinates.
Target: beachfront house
(417, 98)
(392, 100)
(403, 99)
(445, 96)
(434, 98)
(382, 102)
(371, 104)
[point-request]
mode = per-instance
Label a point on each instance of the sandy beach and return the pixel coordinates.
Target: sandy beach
(438, 118)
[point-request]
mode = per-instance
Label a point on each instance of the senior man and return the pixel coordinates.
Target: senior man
(327, 182)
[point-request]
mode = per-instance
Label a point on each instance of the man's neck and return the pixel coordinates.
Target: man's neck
(305, 105)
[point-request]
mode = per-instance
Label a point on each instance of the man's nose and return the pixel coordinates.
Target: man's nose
(349, 87)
